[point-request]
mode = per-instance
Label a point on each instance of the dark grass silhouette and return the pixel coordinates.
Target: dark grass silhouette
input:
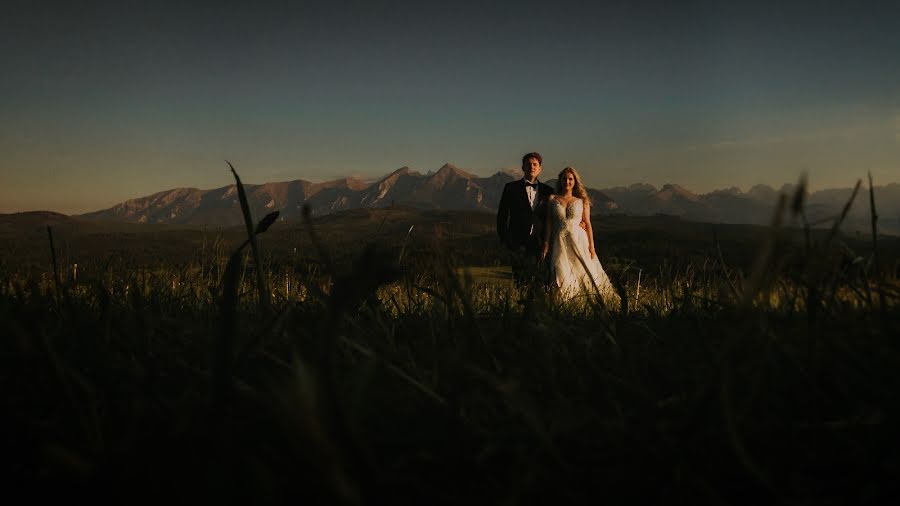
(362, 377)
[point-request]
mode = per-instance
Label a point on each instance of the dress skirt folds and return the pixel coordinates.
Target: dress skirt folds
(575, 273)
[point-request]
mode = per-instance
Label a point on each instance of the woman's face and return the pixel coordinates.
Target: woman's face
(568, 181)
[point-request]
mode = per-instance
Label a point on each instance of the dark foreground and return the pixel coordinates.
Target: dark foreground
(140, 386)
(342, 374)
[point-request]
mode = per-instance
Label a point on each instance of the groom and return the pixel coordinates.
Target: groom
(522, 216)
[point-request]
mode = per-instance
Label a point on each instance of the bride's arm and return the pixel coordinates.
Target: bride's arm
(586, 219)
(547, 226)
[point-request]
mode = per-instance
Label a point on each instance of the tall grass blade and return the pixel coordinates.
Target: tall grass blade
(799, 196)
(403, 247)
(429, 392)
(725, 273)
(324, 257)
(56, 282)
(764, 258)
(223, 354)
(266, 222)
(846, 210)
(874, 218)
(261, 285)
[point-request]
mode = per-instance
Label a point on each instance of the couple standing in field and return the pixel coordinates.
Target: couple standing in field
(539, 223)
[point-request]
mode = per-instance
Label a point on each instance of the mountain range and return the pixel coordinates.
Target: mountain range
(451, 188)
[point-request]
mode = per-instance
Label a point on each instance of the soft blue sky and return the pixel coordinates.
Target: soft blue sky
(106, 101)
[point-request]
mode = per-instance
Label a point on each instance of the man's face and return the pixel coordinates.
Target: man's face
(532, 169)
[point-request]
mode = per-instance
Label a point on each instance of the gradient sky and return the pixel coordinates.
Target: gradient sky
(101, 102)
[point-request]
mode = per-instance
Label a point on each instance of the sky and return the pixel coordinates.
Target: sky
(105, 101)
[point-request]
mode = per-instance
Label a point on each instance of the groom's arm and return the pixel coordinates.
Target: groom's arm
(503, 215)
(547, 226)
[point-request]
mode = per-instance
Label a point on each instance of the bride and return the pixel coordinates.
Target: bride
(576, 268)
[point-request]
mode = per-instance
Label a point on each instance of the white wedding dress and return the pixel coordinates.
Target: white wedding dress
(569, 256)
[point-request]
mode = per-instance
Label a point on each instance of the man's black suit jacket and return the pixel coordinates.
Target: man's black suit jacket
(515, 217)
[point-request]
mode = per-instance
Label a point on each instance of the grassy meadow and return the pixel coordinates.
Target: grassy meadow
(384, 356)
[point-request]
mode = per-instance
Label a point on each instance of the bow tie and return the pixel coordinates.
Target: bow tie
(533, 185)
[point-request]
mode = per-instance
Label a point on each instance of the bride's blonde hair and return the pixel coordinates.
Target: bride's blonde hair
(578, 190)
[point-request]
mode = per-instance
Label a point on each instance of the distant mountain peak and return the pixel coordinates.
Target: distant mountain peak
(506, 175)
(731, 190)
(450, 169)
(391, 178)
(763, 193)
(643, 187)
(353, 183)
(399, 172)
(449, 173)
(48, 216)
(672, 190)
(787, 188)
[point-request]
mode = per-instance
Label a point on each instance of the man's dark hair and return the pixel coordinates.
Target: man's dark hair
(536, 156)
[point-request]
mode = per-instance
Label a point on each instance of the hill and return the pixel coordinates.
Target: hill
(469, 236)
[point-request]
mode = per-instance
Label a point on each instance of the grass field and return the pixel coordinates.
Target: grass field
(409, 369)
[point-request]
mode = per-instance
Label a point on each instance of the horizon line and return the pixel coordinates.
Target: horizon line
(430, 172)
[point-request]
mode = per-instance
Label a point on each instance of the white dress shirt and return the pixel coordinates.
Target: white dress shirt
(532, 194)
(532, 199)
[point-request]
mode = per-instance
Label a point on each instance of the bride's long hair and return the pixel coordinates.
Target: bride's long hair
(578, 190)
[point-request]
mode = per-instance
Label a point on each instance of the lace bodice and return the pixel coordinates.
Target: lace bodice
(566, 216)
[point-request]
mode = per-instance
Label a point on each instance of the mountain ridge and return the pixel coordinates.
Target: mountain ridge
(453, 188)
(450, 187)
